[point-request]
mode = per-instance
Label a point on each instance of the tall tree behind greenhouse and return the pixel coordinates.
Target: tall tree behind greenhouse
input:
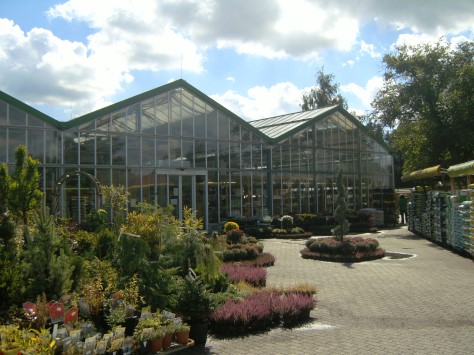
(428, 99)
(325, 94)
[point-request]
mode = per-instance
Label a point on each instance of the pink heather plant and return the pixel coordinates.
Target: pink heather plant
(255, 276)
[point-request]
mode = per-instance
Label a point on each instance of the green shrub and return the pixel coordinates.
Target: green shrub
(228, 226)
(279, 231)
(297, 230)
(234, 236)
(286, 222)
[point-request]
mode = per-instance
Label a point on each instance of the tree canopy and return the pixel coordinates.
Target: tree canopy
(325, 94)
(428, 98)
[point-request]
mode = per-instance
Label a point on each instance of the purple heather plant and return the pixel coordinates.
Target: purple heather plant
(261, 310)
(255, 276)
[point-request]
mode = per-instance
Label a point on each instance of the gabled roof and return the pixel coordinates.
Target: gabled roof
(178, 84)
(272, 130)
(280, 127)
(30, 110)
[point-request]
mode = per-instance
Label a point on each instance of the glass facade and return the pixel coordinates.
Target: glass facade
(176, 146)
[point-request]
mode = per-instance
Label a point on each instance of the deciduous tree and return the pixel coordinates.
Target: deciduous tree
(428, 98)
(325, 94)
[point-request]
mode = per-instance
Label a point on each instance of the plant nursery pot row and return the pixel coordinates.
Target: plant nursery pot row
(165, 343)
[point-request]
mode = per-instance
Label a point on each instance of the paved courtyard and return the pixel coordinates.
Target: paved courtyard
(418, 305)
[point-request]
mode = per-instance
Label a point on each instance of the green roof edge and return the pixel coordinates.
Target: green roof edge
(31, 110)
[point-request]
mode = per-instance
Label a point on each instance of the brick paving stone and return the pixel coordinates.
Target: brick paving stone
(418, 305)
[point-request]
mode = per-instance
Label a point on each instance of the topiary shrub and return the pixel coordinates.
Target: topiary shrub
(279, 231)
(286, 222)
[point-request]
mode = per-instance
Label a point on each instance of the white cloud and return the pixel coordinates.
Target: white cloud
(369, 49)
(262, 101)
(364, 94)
(48, 70)
(231, 79)
(169, 35)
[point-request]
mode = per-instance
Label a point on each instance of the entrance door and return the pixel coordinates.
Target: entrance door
(180, 191)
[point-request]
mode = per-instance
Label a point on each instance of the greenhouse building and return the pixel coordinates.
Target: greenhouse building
(175, 145)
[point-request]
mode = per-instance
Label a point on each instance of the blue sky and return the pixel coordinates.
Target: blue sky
(257, 58)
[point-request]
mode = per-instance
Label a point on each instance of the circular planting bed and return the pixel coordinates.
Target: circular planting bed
(350, 249)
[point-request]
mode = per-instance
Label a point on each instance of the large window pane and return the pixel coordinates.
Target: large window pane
(103, 149)
(224, 155)
(236, 195)
(162, 115)
(235, 159)
(212, 123)
(87, 146)
(3, 112)
(199, 118)
(103, 175)
(134, 187)
(133, 150)
(118, 150)
(212, 195)
(15, 138)
(200, 157)
(119, 177)
(148, 116)
(148, 185)
(132, 118)
(176, 113)
(148, 151)
(224, 193)
(187, 153)
(175, 153)
(52, 147)
(17, 116)
(162, 153)
(3, 145)
(36, 144)
(103, 123)
(211, 154)
(35, 121)
(223, 127)
(119, 122)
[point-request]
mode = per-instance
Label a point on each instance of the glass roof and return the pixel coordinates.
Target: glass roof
(275, 127)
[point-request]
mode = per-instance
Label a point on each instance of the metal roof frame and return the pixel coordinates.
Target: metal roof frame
(304, 118)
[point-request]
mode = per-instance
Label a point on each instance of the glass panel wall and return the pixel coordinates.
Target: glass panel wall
(233, 171)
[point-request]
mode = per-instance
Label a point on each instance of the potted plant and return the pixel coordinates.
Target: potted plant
(149, 332)
(195, 303)
(181, 333)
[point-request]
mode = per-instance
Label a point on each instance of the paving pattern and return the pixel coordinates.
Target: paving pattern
(418, 305)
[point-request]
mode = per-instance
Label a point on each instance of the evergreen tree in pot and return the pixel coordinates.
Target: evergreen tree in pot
(195, 304)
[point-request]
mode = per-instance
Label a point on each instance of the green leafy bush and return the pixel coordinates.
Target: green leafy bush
(296, 230)
(286, 222)
(279, 231)
(228, 226)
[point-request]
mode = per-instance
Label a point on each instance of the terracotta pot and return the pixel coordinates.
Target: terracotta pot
(155, 345)
(182, 337)
(167, 341)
